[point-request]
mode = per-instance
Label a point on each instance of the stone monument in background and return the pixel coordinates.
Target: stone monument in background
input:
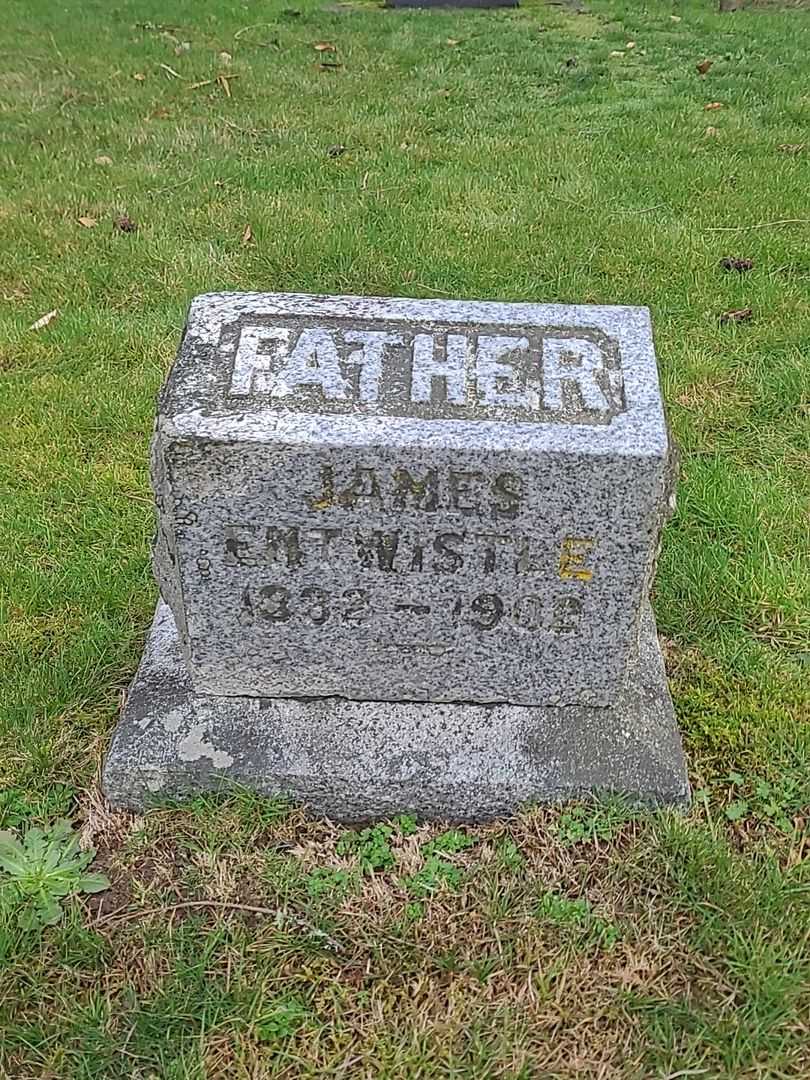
(404, 550)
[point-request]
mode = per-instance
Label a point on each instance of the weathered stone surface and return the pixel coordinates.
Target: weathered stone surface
(408, 499)
(356, 760)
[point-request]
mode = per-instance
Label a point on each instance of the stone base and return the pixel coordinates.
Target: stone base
(358, 760)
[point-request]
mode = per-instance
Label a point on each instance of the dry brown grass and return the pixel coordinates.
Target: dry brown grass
(214, 935)
(477, 958)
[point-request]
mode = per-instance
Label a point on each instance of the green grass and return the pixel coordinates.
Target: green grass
(523, 162)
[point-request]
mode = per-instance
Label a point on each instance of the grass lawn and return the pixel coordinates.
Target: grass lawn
(524, 155)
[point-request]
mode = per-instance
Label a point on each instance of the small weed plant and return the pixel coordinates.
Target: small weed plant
(42, 869)
(324, 883)
(407, 824)
(577, 915)
(451, 842)
(766, 802)
(372, 847)
(435, 874)
(590, 823)
(281, 1021)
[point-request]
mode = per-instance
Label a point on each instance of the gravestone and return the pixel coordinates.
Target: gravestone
(404, 550)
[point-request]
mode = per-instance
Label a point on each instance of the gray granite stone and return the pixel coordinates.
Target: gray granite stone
(410, 499)
(355, 760)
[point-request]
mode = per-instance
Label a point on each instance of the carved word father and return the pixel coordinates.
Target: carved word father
(531, 372)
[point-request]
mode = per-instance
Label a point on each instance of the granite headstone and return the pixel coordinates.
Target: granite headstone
(390, 520)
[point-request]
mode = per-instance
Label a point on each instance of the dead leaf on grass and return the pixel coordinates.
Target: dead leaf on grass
(617, 53)
(740, 265)
(125, 224)
(225, 58)
(139, 76)
(740, 315)
(630, 45)
(713, 105)
(247, 236)
(452, 41)
(703, 66)
(182, 47)
(102, 159)
(87, 221)
(324, 46)
(40, 324)
(675, 18)
(712, 132)
(336, 150)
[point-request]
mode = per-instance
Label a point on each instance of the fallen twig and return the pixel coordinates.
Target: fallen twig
(279, 915)
(245, 29)
(126, 916)
(644, 210)
(759, 225)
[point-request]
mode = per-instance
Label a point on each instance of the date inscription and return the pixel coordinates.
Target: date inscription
(314, 606)
(465, 550)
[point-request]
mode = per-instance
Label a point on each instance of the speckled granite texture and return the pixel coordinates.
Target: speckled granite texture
(356, 761)
(418, 500)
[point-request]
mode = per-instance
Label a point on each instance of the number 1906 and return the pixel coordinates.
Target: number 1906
(560, 614)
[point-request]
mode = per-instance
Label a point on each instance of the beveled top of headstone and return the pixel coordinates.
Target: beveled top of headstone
(285, 366)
